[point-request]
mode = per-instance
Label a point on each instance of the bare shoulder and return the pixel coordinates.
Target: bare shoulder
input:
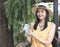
(53, 24)
(32, 24)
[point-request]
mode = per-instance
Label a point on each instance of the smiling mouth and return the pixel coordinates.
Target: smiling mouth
(40, 15)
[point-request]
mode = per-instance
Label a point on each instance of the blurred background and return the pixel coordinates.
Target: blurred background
(13, 17)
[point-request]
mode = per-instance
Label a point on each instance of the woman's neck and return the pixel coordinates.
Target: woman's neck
(41, 24)
(42, 21)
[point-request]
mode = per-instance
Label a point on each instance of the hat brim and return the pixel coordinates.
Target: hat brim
(35, 8)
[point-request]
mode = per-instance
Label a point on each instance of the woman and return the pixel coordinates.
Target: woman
(41, 31)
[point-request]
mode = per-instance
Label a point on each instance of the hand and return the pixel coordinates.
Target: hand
(29, 32)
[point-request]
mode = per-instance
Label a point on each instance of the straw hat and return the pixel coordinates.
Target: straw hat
(45, 6)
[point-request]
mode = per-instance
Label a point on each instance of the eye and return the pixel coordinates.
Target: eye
(38, 11)
(42, 11)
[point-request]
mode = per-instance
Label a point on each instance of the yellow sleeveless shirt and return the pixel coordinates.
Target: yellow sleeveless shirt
(42, 34)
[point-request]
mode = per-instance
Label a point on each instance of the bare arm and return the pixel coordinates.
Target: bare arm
(28, 38)
(50, 36)
(28, 34)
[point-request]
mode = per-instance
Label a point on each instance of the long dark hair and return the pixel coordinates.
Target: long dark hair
(38, 20)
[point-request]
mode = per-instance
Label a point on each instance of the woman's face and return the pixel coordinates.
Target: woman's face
(41, 13)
